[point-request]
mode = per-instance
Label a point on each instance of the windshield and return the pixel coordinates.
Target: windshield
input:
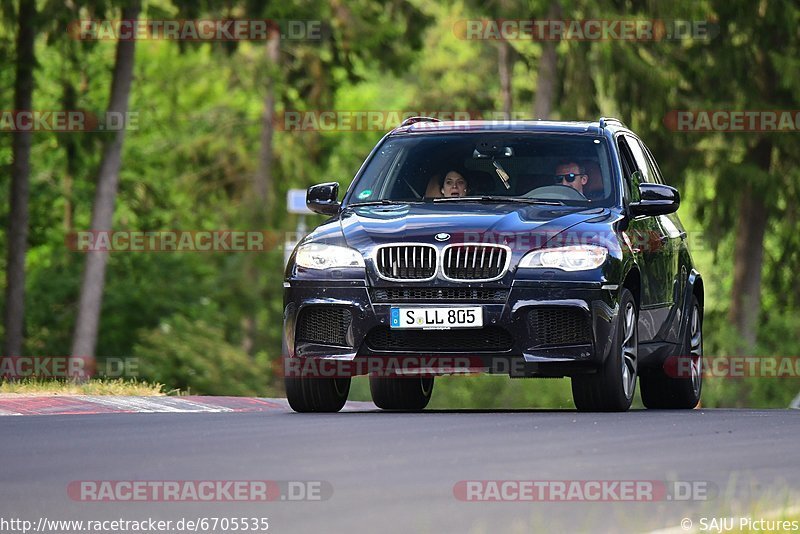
(561, 169)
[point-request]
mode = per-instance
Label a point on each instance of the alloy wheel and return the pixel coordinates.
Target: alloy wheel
(696, 349)
(629, 351)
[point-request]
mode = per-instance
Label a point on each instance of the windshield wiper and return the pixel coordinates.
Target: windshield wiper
(383, 202)
(495, 198)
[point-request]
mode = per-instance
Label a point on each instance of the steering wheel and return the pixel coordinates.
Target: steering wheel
(555, 192)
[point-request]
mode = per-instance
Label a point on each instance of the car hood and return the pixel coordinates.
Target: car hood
(365, 227)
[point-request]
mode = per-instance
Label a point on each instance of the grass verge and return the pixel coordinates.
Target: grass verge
(95, 386)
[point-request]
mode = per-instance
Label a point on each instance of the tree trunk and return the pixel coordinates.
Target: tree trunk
(548, 72)
(505, 67)
(86, 327)
(72, 160)
(262, 183)
(749, 253)
(14, 316)
(263, 179)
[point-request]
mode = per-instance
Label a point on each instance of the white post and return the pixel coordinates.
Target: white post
(795, 405)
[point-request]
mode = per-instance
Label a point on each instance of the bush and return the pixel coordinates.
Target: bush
(195, 357)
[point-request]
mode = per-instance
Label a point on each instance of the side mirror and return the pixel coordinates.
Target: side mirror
(655, 199)
(321, 198)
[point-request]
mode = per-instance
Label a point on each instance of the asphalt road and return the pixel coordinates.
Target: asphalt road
(396, 472)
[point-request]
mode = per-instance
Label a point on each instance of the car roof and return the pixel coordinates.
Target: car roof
(593, 128)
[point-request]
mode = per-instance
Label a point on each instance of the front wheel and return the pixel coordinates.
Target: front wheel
(316, 394)
(401, 392)
(611, 388)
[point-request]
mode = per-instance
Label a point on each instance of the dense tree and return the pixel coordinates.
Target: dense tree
(14, 309)
(89, 306)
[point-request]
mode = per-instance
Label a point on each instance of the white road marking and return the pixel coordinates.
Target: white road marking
(154, 404)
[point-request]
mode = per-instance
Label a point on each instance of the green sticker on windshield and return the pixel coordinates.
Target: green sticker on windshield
(365, 193)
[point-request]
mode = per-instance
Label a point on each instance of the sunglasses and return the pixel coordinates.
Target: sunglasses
(568, 177)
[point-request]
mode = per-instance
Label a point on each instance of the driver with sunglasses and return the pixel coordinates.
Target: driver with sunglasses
(572, 175)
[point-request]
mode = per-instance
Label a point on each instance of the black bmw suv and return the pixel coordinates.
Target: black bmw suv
(530, 248)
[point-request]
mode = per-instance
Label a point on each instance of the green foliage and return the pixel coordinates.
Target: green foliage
(193, 356)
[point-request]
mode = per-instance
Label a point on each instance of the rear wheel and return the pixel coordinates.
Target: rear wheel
(660, 391)
(611, 388)
(401, 393)
(316, 394)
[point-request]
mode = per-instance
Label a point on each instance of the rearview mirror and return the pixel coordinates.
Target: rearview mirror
(655, 199)
(322, 198)
(486, 150)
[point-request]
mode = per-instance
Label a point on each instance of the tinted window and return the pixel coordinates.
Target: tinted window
(629, 169)
(414, 167)
(641, 160)
(653, 165)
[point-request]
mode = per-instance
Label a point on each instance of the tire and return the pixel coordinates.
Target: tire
(401, 393)
(316, 394)
(611, 389)
(662, 392)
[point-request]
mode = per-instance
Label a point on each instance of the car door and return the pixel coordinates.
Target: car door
(676, 246)
(660, 260)
(641, 234)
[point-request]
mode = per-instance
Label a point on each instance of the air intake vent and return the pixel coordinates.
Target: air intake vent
(475, 262)
(406, 262)
(488, 339)
(413, 294)
(559, 326)
(327, 325)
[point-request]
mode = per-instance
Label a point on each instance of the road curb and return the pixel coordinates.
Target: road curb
(104, 404)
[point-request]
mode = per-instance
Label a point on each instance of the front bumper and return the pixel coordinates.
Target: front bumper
(524, 354)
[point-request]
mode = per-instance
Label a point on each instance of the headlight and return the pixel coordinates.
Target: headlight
(575, 258)
(319, 256)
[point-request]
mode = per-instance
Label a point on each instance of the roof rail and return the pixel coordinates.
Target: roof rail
(606, 120)
(411, 120)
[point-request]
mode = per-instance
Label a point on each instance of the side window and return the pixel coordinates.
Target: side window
(631, 174)
(653, 165)
(641, 160)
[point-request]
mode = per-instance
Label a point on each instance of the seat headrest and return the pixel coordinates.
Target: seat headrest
(434, 189)
(594, 188)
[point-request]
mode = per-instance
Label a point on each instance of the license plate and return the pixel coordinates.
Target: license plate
(437, 318)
